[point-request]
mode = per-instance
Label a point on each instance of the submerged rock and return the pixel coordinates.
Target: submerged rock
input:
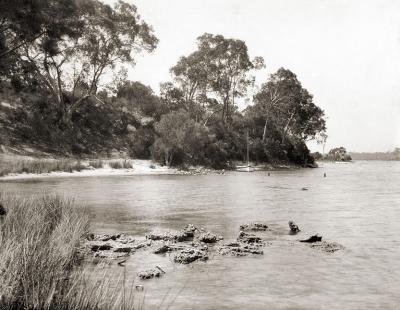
(185, 234)
(123, 250)
(100, 247)
(325, 246)
(312, 239)
(254, 227)
(190, 255)
(248, 238)
(142, 245)
(3, 210)
(167, 248)
(240, 249)
(294, 229)
(151, 273)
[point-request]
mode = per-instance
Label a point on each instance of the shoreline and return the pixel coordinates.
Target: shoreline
(136, 167)
(139, 167)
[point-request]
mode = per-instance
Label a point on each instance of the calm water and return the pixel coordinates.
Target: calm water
(357, 205)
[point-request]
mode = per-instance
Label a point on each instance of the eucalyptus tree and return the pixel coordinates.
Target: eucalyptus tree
(290, 107)
(71, 69)
(216, 74)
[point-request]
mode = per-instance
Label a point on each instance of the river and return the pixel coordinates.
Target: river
(356, 205)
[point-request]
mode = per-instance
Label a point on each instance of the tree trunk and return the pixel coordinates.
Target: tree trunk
(265, 130)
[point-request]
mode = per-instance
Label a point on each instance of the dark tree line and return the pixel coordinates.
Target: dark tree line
(56, 55)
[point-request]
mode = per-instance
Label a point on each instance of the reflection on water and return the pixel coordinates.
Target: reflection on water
(357, 205)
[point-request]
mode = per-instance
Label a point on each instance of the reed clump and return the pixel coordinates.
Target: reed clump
(120, 164)
(39, 259)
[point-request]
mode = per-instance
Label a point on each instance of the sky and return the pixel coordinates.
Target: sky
(346, 53)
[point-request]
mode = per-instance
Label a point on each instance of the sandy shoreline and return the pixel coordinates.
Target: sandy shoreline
(139, 167)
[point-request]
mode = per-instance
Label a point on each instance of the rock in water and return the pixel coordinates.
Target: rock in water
(149, 274)
(328, 247)
(254, 227)
(209, 238)
(312, 239)
(240, 249)
(101, 247)
(123, 249)
(294, 229)
(3, 210)
(190, 255)
(248, 238)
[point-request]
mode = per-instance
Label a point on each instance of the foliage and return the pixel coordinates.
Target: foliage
(212, 77)
(338, 154)
(179, 139)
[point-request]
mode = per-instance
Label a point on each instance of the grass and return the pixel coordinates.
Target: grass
(39, 261)
(118, 164)
(96, 164)
(40, 166)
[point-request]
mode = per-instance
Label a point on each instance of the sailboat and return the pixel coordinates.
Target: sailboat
(247, 168)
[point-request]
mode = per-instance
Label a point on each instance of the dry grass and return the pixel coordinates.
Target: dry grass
(96, 164)
(39, 265)
(40, 166)
(120, 164)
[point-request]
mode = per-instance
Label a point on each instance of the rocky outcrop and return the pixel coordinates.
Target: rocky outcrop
(165, 248)
(240, 249)
(151, 273)
(185, 234)
(190, 255)
(100, 247)
(312, 239)
(209, 238)
(254, 227)
(248, 238)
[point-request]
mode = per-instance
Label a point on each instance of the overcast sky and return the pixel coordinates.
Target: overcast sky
(346, 53)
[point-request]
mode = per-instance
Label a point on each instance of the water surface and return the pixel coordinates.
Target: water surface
(356, 205)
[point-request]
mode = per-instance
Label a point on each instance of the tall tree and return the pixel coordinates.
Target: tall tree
(218, 70)
(73, 66)
(289, 107)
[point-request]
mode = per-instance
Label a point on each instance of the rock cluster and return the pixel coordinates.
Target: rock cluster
(190, 255)
(240, 249)
(254, 227)
(185, 234)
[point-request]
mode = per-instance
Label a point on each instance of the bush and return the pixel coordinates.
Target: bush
(140, 142)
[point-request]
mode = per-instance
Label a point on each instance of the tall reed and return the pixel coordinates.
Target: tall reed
(39, 261)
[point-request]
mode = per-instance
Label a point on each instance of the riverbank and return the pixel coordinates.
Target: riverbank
(43, 168)
(16, 167)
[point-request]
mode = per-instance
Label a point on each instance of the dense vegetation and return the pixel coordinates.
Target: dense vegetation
(55, 79)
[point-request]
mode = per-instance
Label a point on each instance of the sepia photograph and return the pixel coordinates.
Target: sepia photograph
(199, 154)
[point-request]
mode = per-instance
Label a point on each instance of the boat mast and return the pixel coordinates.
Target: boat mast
(248, 160)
